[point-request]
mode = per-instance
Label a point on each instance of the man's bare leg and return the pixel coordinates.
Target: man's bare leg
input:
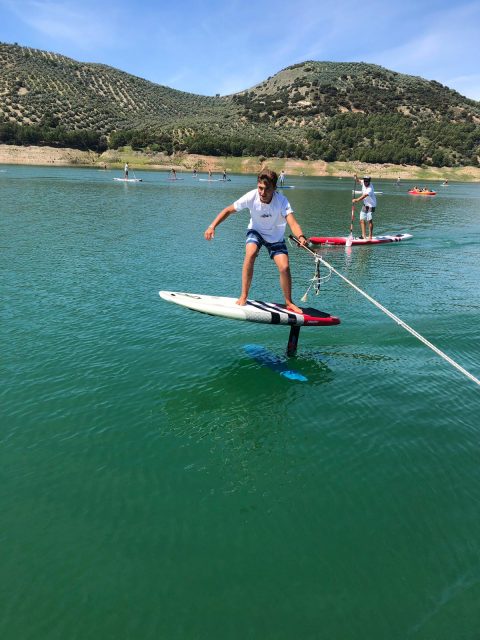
(281, 260)
(362, 227)
(370, 228)
(251, 253)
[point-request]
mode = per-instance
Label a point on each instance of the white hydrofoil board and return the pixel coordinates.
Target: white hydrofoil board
(252, 311)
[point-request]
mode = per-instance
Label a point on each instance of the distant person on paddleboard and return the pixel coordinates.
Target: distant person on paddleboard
(126, 171)
(269, 213)
(369, 203)
(282, 177)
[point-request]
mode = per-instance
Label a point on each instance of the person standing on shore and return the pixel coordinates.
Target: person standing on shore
(369, 201)
(126, 171)
(269, 213)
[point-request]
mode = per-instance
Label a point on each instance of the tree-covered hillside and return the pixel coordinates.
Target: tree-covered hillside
(317, 110)
(365, 112)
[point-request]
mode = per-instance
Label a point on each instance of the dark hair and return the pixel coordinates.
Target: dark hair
(268, 175)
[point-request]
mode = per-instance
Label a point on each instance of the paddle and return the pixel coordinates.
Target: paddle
(349, 241)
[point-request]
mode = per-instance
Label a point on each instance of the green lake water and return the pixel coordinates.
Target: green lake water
(158, 482)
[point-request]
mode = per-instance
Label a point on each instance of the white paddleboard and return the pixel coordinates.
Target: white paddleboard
(252, 311)
(128, 179)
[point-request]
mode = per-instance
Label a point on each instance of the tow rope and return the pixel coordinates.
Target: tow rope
(404, 325)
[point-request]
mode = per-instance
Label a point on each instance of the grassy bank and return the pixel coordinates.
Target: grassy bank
(186, 162)
(11, 154)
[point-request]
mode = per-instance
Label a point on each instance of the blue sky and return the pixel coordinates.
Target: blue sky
(214, 47)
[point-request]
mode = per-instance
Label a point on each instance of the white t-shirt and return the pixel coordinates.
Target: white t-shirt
(269, 219)
(370, 200)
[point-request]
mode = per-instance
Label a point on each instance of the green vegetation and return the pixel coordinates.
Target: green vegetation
(310, 111)
(396, 139)
(56, 136)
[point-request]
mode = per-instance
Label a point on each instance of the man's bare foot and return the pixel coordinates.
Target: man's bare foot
(242, 301)
(293, 307)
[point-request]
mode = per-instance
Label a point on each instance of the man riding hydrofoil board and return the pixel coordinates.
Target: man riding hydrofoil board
(269, 213)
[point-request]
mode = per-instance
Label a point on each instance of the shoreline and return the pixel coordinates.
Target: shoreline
(115, 159)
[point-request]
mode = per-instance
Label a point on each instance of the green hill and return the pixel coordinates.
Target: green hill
(317, 110)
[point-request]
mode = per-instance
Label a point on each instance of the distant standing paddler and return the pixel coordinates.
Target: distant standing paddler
(126, 171)
(369, 203)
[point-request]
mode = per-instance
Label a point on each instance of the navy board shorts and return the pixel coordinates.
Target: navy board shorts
(274, 248)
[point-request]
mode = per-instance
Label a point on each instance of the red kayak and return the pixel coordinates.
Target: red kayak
(356, 241)
(412, 192)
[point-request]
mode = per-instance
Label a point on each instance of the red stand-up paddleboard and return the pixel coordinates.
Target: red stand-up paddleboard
(341, 240)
